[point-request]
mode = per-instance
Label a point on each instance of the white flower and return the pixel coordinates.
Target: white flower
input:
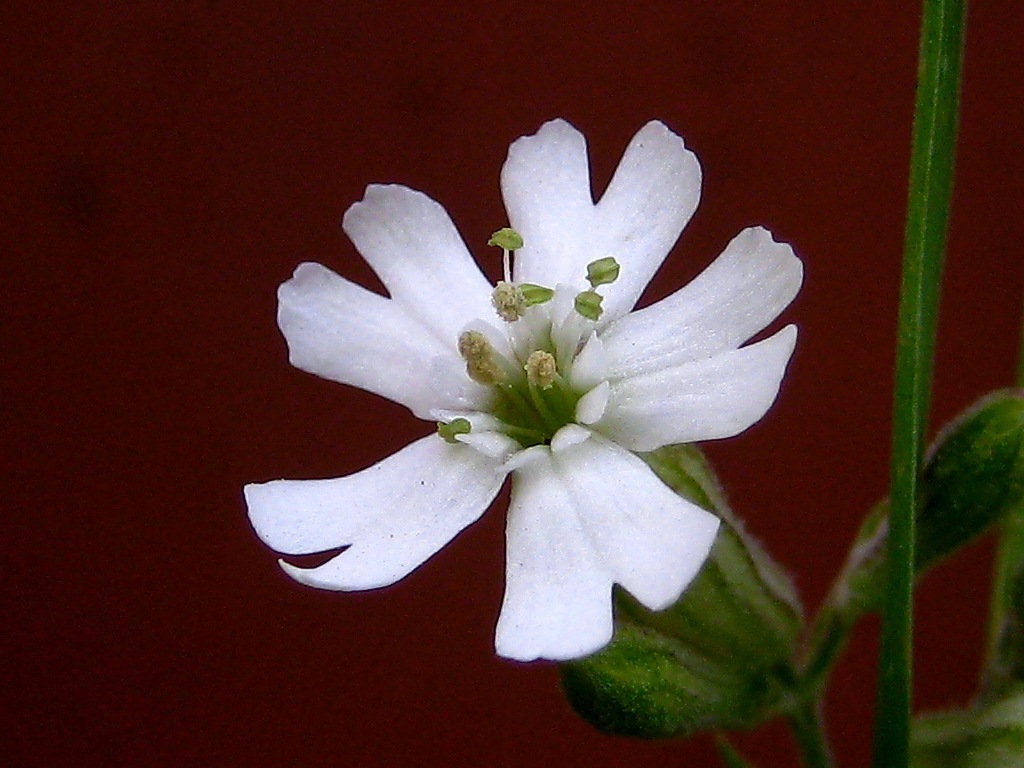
(557, 400)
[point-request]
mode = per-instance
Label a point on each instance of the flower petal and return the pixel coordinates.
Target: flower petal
(413, 246)
(557, 601)
(740, 293)
(546, 187)
(545, 183)
(395, 514)
(582, 518)
(706, 399)
(651, 197)
(343, 332)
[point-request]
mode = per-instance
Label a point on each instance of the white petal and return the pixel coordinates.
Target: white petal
(568, 436)
(651, 197)
(652, 540)
(705, 399)
(590, 366)
(591, 406)
(394, 514)
(557, 601)
(545, 183)
(740, 293)
(546, 187)
(343, 332)
(414, 248)
(580, 520)
(495, 445)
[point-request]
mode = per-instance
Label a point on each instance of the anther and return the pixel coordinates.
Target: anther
(541, 369)
(449, 430)
(508, 301)
(588, 304)
(482, 364)
(602, 272)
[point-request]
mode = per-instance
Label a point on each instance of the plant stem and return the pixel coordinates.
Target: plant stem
(809, 732)
(931, 181)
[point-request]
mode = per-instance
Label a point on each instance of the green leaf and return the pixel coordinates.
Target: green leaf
(990, 736)
(721, 656)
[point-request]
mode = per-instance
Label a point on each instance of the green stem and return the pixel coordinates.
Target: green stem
(931, 180)
(809, 732)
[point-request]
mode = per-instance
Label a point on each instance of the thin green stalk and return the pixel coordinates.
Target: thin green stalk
(809, 733)
(931, 181)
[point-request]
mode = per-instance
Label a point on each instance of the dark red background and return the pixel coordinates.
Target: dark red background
(172, 163)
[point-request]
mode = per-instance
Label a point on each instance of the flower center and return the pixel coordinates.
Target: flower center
(529, 367)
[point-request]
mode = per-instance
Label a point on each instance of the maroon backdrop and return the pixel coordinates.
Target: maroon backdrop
(172, 163)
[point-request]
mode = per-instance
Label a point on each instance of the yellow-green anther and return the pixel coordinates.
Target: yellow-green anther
(507, 238)
(449, 430)
(535, 294)
(602, 271)
(541, 369)
(482, 364)
(588, 304)
(508, 301)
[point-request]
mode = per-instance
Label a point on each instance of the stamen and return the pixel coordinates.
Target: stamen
(536, 294)
(482, 364)
(541, 369)
(588, 304)
(508, 301)
(602, 272)
(449, 430)
(508, 240)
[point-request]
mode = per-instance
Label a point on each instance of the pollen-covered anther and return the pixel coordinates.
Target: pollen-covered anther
(482, 364)
(541, 369)
(508, 301)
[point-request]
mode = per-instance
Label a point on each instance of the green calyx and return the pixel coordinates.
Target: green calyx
(720, 657)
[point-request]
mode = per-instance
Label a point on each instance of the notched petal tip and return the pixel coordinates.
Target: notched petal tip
(522, 645)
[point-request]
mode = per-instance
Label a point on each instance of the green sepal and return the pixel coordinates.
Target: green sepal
(988, 736)
(721, 656)
(1004, 671)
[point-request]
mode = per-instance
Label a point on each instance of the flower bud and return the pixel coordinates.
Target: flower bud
(973, 475)
(721, 656)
